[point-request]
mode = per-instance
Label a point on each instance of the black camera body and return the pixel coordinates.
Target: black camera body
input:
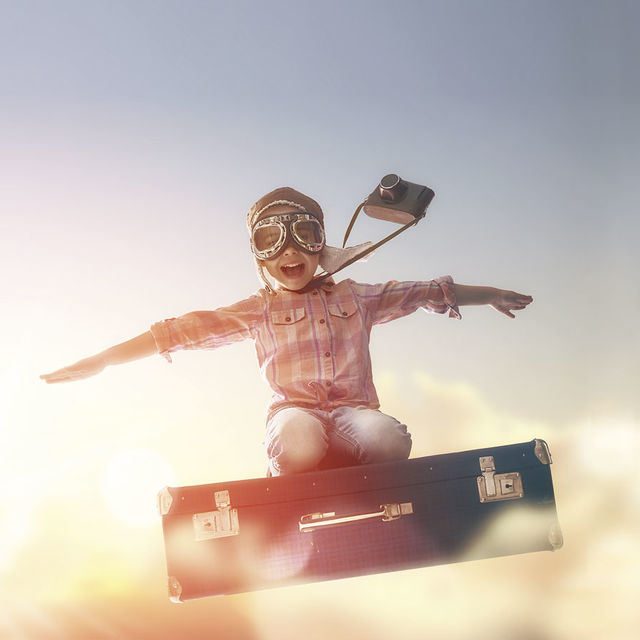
(397, 200)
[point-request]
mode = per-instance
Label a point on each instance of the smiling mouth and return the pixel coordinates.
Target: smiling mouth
(293, 270)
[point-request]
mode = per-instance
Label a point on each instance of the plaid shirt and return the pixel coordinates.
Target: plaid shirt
(313, 348)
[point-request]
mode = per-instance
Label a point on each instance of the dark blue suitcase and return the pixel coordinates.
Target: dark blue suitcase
(237, 536)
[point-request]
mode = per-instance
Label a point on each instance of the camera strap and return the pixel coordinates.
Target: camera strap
(375, 246)
(352, 222)
(318, 280)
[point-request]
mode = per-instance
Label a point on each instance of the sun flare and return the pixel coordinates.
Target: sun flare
(131, 482)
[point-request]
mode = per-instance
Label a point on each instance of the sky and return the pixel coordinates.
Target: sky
(135, 135)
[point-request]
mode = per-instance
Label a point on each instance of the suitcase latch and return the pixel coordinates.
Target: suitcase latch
(494, 487)
(220, 523)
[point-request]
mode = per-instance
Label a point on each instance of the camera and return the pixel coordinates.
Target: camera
(397, 200)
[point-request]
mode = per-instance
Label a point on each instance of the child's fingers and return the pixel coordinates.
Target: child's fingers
(66, 374)
(49, 377)
(56, 376)
(517, 301)
(508, 308)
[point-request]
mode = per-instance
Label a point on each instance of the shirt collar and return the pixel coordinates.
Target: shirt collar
(326, 284)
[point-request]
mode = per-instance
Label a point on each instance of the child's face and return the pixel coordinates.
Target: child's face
(293, 268)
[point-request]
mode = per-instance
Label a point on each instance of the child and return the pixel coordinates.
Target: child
(311, 338)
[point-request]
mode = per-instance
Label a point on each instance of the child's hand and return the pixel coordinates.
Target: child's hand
(81, 369)
(507, 301)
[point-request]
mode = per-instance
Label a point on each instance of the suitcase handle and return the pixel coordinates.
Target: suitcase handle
(311, 521)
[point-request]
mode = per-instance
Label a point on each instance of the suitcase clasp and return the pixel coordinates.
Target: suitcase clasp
(220, 523)
(494, 487)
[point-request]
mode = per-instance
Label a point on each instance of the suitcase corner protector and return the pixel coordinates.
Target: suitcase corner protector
(542, 452)
(165, 499)
(175, 590)
(555, 536)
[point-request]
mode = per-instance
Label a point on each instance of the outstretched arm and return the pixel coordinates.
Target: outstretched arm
(139, 347)
(501, 300)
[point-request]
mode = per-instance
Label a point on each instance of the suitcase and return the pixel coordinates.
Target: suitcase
(238, 536)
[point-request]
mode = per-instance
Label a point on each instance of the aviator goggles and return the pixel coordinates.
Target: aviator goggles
(271, 235)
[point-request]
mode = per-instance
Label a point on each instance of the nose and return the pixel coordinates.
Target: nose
(290, 249)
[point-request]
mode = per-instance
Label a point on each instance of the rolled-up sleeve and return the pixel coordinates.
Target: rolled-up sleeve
(392, 300)
(208, 329)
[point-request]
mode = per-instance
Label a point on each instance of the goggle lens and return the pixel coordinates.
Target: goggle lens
(268, 237)
(308, 232)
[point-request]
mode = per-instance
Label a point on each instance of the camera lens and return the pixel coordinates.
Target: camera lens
(390, 181)
(392, 188)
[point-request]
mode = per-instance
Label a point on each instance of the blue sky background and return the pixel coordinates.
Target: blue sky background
(135, 135)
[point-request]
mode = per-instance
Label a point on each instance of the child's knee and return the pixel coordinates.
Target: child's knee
(296, 442)
(297, 460)
(391, 445)
(386, 440)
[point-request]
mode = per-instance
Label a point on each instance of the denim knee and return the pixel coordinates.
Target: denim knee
(296, 441)
(375, 436)
(388, 443)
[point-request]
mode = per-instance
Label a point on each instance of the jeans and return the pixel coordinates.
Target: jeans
(298, 439)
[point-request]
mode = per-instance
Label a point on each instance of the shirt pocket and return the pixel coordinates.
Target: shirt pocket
(342, 309)
(288, 338)
(288, 316)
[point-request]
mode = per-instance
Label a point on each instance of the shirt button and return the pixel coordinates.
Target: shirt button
(328, 383)
(321, 320)
(344, 313)
(287, 319)
(315, 293)
(327, 354)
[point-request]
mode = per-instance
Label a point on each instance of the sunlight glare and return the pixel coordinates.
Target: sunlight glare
(15, 529)
(131, 483)
(609, 449)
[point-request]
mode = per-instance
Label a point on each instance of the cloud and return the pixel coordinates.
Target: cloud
(591, 584)
(451, 416)
(79, 555)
